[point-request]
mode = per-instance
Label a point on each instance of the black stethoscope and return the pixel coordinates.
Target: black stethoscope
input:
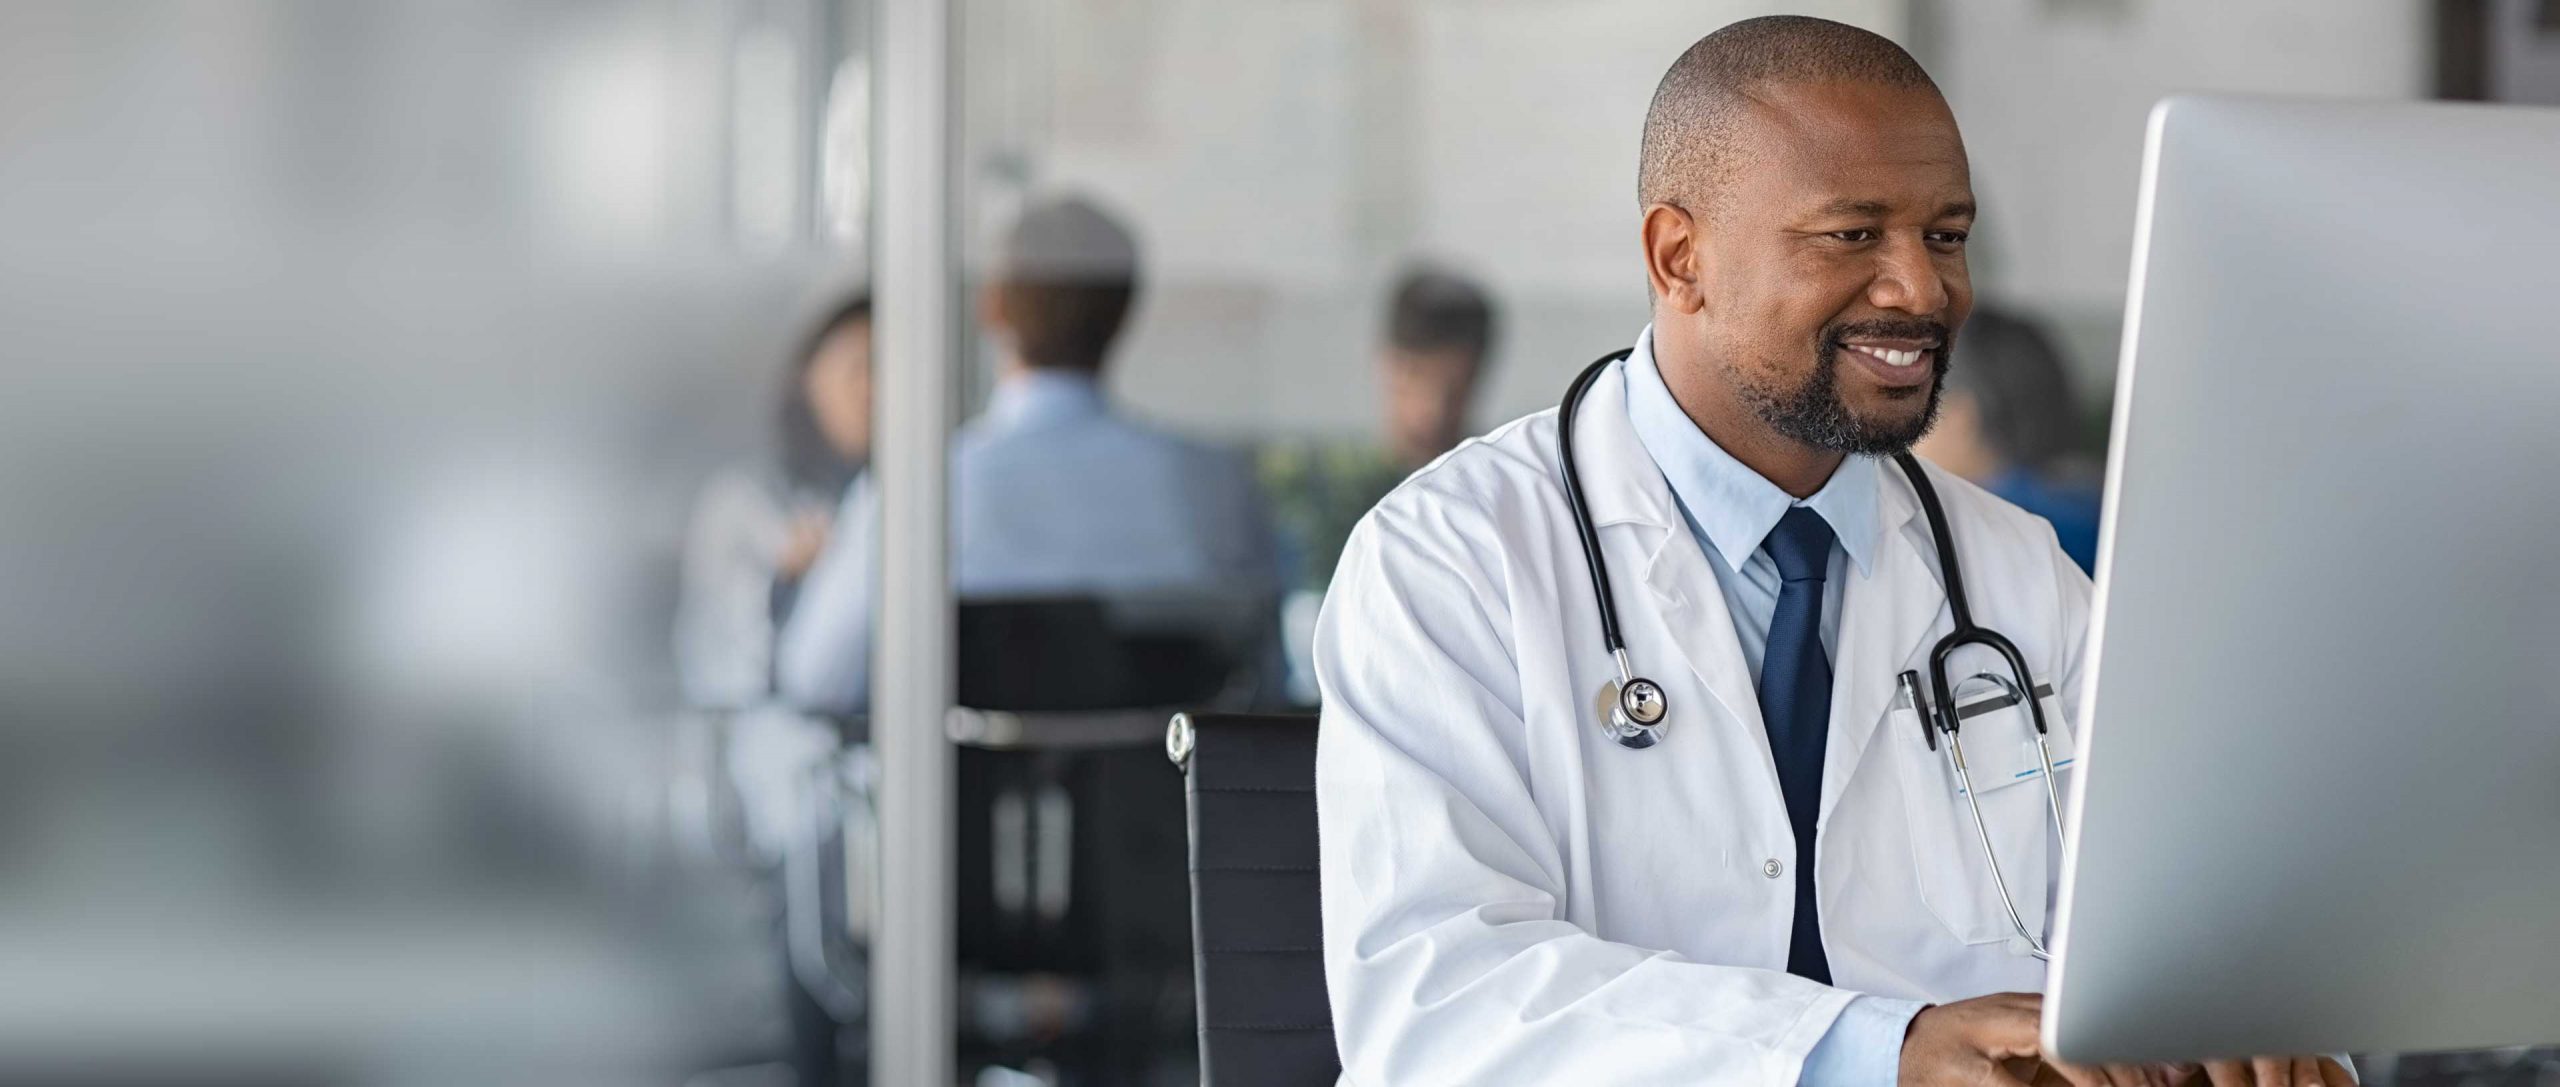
(1639, 709)
(1639, 712)
(1638, 715)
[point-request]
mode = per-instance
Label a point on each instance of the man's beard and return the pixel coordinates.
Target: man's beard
(1813, 413)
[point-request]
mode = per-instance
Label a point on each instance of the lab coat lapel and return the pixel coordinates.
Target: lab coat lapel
(1702, 627)
(1888, 621)
(1627, 488)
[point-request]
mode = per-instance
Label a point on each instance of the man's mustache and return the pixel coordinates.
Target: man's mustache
(1885, 329)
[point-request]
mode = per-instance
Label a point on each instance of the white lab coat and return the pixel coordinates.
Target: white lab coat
(1511, 897)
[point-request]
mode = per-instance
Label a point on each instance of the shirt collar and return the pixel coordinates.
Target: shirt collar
(1731, 505)
(1041, 396)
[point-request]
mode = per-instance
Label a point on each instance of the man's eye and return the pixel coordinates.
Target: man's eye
(1854, 235)
(1948, 237)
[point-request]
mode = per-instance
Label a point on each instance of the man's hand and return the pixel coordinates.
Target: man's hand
(1992, 1040)
(1971, 1042)
(2279, 1072)
(801, 546)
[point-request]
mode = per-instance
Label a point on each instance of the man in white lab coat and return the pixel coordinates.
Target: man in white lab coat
(1785, 888)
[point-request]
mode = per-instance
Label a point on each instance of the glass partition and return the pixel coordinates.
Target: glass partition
(398, 502)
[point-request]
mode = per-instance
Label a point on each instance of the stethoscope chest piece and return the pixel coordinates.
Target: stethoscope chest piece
(1632, 711)
(1636, 719)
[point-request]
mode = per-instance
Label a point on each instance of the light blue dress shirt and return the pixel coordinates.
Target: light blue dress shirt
(1730, 509)
(1052, 493)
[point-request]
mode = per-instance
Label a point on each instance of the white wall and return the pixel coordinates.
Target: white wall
(1279, 159)
(2053, 95)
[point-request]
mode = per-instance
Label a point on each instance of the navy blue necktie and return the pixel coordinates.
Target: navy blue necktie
(1795, 702)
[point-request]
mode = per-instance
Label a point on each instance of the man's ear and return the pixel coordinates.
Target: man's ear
(1674, 257)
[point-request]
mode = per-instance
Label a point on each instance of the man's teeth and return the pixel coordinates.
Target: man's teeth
(1892, 357)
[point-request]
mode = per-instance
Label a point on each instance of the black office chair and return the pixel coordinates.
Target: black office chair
(1257, 937)
(1070, 885)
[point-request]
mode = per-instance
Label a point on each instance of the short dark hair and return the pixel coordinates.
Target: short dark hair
(809, 463)
(2021, 386)
(1067, 273)
(1433, 309)
(1689, 153)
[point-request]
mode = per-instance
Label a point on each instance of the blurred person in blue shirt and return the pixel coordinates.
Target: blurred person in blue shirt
(2009, 422)
(1053, 492)
(757, 527)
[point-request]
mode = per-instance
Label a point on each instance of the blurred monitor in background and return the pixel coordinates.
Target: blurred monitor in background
(758, 526)
(1053, 492)
(2010, 423)
(1439, 334)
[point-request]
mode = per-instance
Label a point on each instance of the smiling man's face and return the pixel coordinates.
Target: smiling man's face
(1832, 270)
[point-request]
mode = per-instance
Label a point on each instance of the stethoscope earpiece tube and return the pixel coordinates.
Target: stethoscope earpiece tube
(1949, 570)
(1637, 713)
(1581, 507)
(1960, 609)
(1939, 714)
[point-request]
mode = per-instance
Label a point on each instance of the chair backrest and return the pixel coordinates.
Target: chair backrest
(1122, 651)
(1257, 934)
(1071, 858)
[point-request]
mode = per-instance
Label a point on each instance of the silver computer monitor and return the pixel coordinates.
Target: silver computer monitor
(2320, 801)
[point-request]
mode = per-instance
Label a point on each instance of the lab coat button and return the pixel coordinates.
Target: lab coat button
(1773, 869)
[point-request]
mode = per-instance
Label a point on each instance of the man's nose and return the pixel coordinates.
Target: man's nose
(1907, 279)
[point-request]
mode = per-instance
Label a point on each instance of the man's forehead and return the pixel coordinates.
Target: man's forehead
(1824, 142)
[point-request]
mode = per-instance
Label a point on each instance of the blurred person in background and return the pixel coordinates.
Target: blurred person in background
(755, 531)
(758, 527)
(1439, 334)
(2009, 422)
(1439, 331)
(1053, 493)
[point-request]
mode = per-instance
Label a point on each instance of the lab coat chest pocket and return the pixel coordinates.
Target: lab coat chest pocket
(1946, 850)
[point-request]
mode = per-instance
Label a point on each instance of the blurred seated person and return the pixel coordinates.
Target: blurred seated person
(756, 530)
(1053, 493)
(1438, 335)
(757, 527)
(2009, 422)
